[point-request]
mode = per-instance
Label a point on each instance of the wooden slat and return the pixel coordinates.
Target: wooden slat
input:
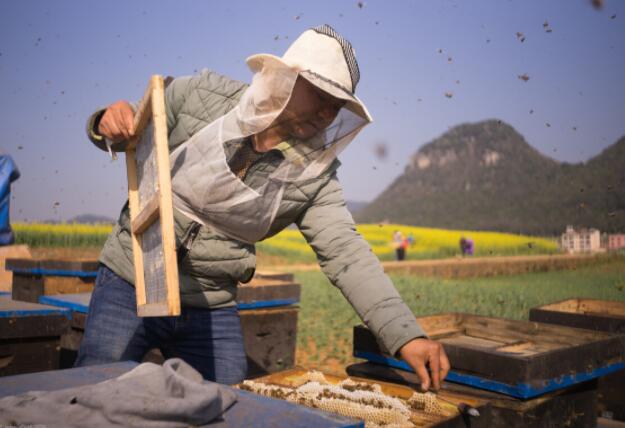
(142, 117)
(166, 203)
(152, 309)
(147, 216)
(133, 202)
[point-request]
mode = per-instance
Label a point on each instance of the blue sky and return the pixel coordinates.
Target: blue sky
(59, 61)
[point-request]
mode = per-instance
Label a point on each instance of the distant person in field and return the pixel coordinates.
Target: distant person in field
(466, 246)
(248, 161)
(411, 239)
(400, 244)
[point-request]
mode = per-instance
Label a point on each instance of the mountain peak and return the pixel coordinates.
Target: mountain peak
(485, 176)
(486, 143)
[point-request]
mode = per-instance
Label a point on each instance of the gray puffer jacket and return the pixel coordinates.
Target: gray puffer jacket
(214, 264)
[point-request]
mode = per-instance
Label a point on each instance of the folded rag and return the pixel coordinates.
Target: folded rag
(149, 396)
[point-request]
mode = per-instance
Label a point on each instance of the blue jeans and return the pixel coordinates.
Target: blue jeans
(210, 340)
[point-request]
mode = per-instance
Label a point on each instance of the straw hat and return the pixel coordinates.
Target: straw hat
(328, 60)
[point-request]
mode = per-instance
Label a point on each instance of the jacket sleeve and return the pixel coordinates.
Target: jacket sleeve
(175, 95)
(349, 263)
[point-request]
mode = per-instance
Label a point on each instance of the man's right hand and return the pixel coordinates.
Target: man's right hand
(117, 123)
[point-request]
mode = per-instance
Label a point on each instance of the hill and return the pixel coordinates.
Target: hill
(485, 176)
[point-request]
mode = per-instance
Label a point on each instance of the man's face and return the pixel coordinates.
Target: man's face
(309, 111)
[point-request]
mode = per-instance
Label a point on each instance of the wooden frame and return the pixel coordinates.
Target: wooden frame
(151, 207)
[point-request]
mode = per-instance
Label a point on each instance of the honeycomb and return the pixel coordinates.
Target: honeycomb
(349, 398)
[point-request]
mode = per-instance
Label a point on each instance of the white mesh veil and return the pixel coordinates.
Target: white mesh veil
(305, 143)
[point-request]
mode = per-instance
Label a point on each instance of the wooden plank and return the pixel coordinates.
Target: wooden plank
(133, 204)
(271, 274)
(152, 309)
(9, 252)
(165, 193)
(28, 355)
(147, 215)
(268, 293)
(27, 288)
(142, 117)
(33, 266)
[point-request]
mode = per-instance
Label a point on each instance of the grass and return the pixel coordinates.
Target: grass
(326, 319)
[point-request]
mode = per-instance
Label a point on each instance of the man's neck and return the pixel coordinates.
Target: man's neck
(267, 139)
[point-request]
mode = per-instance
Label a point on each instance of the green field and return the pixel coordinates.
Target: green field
(326, 319)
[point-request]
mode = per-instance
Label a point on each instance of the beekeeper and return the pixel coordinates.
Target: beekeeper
(247, 161)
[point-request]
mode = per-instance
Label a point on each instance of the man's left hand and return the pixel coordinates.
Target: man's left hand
(421, 352)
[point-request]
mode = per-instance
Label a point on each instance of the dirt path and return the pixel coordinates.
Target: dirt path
(474, 266)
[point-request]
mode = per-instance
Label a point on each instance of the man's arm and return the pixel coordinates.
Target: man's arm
(116, 121)
(348, 262)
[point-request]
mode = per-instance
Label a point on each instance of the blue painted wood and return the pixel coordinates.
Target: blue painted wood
(14, 308)
(266, 304)
(5, 294)
(77, 302)
(520, 390)
(55, 272)
(60, 379)
(250, 410)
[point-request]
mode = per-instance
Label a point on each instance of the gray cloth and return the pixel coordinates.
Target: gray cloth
(149, 396)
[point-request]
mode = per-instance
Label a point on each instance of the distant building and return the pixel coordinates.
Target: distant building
(616, 241)
(580, 240)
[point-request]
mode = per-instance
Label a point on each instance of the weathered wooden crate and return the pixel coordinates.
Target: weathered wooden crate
(449, 400)
(517, 358)
(269, 336)
(29, 336)
(597, 315)
(268, 319)
(250, 410)
(10, 252)
(78, 304)
(35, 278)
(268, 311)
(572, 407)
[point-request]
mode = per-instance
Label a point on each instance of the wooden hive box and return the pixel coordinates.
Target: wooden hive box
(10, 252)
(573, 407)
(35, 278)
(597, 315)
(29, 336)
(517, 358)
(78, 304)
(449, 417)
(268, 310)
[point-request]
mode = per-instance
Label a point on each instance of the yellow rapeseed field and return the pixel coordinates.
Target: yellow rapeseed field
(428, 243)
(289, 244)
(61, 235)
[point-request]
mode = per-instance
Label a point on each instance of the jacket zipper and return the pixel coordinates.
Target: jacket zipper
(187, 242)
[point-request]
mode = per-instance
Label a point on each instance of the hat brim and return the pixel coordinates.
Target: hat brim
(259, 61)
